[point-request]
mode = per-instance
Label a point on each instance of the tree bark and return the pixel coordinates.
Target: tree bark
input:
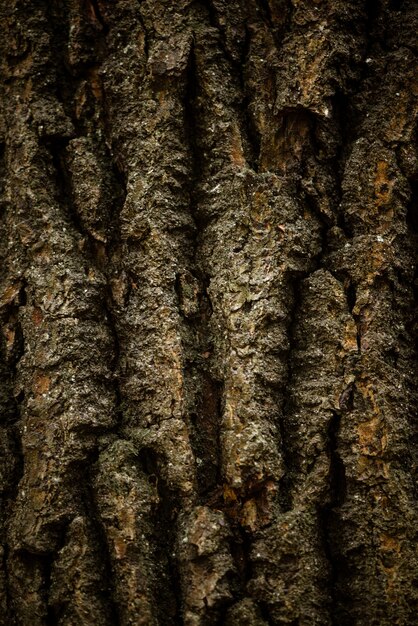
(208, 353)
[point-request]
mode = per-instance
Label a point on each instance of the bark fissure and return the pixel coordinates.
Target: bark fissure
(205, 414)
(91, 511)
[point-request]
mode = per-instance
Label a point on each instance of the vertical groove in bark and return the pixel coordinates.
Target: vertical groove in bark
(371, 514)
(208, 312)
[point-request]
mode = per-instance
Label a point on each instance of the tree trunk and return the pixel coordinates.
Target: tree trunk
(208, 234)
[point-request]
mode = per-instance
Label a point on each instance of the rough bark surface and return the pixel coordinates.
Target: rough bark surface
(208, 397)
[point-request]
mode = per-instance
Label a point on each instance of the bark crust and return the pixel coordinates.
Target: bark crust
(208, 308)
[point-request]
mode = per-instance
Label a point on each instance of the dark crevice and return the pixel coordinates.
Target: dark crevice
(57, 148)
(2, 177)
(46, 562)
(206, 414)
(99, 17)
(11, 493)
(4, 564)
(7, 500)
(265, 10)
(91, 31)
(412, 208)
(237, 66)
(345, 122)
(145, 30)
(20, 397)
(192, 134)
(265, 613)
(32, 565)
(93, 516)
(10, 407)
(337, 484)
(114, 363)
(351, 296)
(215, 23)
(237, 581)
(30, 561)
(245, 52)
(345, 225)
(328, 516)
(120, 197)
(9, 317)
(350, 292)
(52, 615)
(411, 315)
(324, 224)
(206, 427)
(395, 5)
(347, 115)
(286, 483)
(240, 546)
(64, 85)
(358, 322)
(337, 132)
(346, 399)
(252, 135)
(373, 11)
(351, 302)
(10, 413)
(277, 16)
(168, 590)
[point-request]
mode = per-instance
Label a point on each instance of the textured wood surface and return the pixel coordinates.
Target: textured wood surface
(208, 401)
